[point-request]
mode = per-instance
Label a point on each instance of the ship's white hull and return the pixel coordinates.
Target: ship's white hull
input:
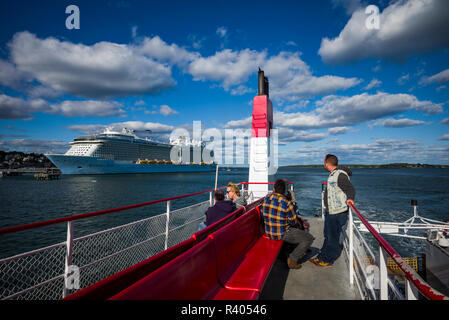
(91, 165)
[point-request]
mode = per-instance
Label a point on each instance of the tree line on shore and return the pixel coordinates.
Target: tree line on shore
(18, 159)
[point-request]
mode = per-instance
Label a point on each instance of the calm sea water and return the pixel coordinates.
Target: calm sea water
(381, 194)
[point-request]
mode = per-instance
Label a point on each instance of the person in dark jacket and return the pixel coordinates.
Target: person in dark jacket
(338, 195)
(217, 212)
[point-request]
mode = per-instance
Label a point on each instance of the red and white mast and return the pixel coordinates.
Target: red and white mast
(262, 123)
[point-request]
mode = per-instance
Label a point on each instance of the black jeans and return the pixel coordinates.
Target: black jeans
(303, 241)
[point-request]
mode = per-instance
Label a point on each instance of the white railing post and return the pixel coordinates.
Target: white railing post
(211, 199)
(410, 291)
(322, 203)
(167, 224)
(68, 257)
(383, 274)
(351, 248)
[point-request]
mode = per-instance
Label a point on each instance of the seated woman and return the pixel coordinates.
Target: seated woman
(233, 193)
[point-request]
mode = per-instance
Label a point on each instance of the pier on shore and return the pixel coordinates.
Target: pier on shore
(39, 173)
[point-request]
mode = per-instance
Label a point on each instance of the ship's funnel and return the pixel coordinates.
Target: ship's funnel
(262, 123)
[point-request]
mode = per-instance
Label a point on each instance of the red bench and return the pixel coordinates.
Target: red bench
(124, 279)
(111, 285)
(232, 263)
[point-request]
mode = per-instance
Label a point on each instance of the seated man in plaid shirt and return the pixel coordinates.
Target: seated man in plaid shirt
(281, 223)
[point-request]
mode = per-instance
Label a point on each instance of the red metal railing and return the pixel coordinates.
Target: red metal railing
(94, 214)
(108, 211)
(35, 255)
(410, 274)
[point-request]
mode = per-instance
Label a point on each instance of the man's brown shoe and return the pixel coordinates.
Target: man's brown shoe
(293, 265)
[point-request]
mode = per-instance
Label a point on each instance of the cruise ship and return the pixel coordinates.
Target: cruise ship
(112, 152)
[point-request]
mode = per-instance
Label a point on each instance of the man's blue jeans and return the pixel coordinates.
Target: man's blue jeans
(333, 226)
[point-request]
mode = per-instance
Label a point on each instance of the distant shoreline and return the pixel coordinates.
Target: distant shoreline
(375, 166)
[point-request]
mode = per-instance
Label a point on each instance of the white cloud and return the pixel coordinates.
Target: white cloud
(10, 76)
(406, 28)
(134, 31)
(290, 135)
(241, 90)
(101, 70)
(158, 49)
(166, 110)
(441, 77)
(222, 31)
(229, 67)
(444, 137)
(445, 121)
(398, 123)
(244, 123)
(374, 83)
(19, 109)
(290, 77)
(15, 108)
(88, 108)
(403, 79)
(338, 130)
(155, 127)
(35, 145)
(335, 111)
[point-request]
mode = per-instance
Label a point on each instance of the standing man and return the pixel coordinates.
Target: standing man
(338, 195)
(281, 223)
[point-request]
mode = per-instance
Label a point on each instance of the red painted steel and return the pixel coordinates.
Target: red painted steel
(106, 288)
(223, 266)
(191, 275)
(410, 274)
(112, 285)
(253, 271)
(262, 121)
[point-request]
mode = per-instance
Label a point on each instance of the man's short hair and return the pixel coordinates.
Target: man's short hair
(279, 186)
(331, 159)
(234, 188)
(219, 195)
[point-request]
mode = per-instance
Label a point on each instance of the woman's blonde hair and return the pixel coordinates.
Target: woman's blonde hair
(234, 188)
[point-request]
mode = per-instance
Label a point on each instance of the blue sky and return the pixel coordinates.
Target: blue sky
(367, 95)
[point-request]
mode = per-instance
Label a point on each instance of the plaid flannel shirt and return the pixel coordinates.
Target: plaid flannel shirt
(279, 215)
